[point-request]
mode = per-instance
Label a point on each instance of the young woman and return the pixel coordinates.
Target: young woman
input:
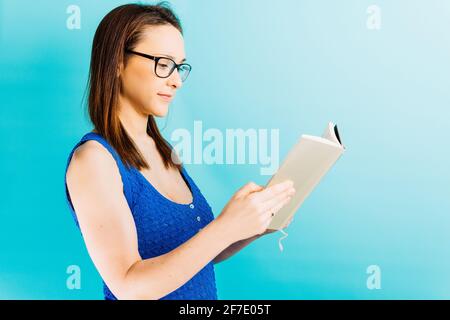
(147, 227)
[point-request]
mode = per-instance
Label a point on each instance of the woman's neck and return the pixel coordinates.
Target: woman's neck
(135, 123)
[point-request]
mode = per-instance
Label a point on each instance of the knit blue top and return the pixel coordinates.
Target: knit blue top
(162, 224)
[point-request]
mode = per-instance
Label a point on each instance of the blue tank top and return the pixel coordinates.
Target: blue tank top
(161, 224)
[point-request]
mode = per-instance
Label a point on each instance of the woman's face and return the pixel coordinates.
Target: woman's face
(141, 87)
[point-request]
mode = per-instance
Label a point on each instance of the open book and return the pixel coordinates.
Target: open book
(306, 164)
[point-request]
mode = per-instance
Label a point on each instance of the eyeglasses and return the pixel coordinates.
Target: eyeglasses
(165, 66)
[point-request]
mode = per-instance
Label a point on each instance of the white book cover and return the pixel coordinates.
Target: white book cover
(306, 164)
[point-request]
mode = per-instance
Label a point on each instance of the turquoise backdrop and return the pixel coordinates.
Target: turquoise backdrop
(381, 73)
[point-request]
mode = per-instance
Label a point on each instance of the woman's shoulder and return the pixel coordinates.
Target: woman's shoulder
(92, 160)
(91, 152)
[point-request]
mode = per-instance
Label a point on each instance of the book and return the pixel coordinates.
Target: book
(306, 164)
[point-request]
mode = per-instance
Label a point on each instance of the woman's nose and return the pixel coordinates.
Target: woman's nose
(175, 79)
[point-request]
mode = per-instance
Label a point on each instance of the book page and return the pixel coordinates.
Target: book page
(329, 133)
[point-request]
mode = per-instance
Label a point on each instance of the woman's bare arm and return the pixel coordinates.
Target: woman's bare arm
(109, 232)
(235, 248)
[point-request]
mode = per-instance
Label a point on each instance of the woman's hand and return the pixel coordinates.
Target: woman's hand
(249, 211)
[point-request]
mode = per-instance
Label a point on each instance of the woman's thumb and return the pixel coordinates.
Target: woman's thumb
(247, 189)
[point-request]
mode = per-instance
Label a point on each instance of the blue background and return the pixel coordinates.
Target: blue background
(291, 65)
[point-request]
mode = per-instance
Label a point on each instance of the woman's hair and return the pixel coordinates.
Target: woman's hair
(119, 30)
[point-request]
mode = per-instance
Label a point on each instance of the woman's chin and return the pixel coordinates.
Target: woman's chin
(161, 111)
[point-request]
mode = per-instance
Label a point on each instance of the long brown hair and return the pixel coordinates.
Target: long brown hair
(118, 31)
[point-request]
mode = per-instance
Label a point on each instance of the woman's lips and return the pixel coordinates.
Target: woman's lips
(166, 97)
